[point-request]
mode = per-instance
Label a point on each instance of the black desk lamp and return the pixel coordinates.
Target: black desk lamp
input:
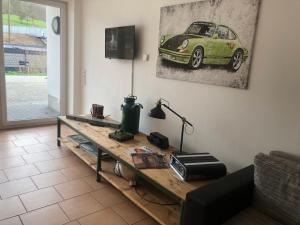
(158, 113)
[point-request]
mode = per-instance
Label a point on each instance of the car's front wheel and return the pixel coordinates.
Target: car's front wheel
(196, 58)
(236, 60)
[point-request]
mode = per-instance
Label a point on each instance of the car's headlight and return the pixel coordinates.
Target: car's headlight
(162, 39)
(185, 43)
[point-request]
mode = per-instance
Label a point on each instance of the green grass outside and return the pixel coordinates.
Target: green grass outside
(18, 21)
(15, 73)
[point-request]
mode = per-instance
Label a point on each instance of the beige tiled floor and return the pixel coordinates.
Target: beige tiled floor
(41, 184)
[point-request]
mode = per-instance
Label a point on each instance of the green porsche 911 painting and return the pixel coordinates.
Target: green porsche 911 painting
(204, 43)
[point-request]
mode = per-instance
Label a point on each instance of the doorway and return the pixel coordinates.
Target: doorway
(32, 50)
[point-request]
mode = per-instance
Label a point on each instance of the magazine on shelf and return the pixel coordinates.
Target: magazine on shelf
(145, 158)
(85, 144)
(141, 149)
(78, 139)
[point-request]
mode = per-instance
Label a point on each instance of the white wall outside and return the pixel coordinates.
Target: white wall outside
(53, 60)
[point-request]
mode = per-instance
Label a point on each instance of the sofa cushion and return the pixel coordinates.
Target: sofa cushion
(251, 216)
(277, 186)
(285, 155)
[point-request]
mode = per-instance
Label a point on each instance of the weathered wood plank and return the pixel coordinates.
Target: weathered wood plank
(88, 158)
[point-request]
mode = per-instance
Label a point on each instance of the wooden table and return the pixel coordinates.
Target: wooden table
(165, 185)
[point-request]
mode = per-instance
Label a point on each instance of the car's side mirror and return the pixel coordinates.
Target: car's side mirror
(215, 36)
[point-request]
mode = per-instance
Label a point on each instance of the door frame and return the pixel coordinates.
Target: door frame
(4, 123)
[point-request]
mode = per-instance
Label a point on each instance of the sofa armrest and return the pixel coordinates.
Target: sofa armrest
(220, 200)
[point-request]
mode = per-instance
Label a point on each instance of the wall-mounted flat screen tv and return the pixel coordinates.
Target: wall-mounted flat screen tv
(119, 42)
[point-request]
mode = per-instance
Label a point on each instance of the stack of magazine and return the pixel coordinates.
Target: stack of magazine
(84, 144)
(145, 158)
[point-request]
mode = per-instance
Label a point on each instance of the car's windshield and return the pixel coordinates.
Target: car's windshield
(203, 29)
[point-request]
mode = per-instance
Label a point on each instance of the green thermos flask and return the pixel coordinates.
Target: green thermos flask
(131, 115)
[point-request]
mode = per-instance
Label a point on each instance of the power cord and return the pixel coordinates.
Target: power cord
(153, 202)
(118, 172)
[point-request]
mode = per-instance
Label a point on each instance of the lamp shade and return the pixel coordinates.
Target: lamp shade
(157, 112)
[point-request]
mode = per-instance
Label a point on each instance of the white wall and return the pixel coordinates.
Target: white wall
(232, 124)
(53, 59)
(74, 55)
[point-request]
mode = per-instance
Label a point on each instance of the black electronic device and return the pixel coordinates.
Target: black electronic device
(158, 140)
(120, 42)
(158, 113)
(121, 136)
(197, 166)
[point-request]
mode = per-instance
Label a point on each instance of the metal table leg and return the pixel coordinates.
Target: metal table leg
(58, 132)
(181, 213)
(99, 164)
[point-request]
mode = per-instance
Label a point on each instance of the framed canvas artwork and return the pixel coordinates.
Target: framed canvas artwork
(208, 42)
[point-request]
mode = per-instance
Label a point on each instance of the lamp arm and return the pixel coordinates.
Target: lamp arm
(181, 117)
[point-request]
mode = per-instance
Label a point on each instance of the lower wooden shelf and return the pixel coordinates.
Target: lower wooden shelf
(162, 213)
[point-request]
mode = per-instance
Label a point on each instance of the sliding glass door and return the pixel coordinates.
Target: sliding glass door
(32, 79)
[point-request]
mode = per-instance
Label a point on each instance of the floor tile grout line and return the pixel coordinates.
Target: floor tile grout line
(5, 175)
(20, 220)
(14, 142)
(66, 199)
(64, 212)
(39, 189)
(51, 160)
(23, 204)
(62, 197)
(72, 222)
(18, 194)
(111, 207)
(45, 135)
(142, 219)
(31, 164)
(122, 216)
(100, 202)
(20, 178)
(31, 134)
(67, 180)
(86, 183)
(11, 217)
(37, 140)
(19, 156)
(43, 160)
(52, 185)
(46, 171)
(37, 152)
(34, 183)
(23, 159)
(41, 173)
(98, 210)
(58, 203)
(37, 209)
